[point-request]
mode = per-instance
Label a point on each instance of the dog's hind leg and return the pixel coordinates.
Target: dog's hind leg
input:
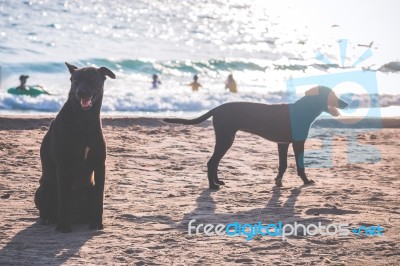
(46, 203)
(222, 144)
(298, 148)
(283, 150)
(46, 194)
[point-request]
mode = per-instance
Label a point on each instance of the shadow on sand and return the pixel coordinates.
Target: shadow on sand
(40, 244)
(205, 212)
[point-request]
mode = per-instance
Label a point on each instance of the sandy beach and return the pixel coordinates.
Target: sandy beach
(156, 183)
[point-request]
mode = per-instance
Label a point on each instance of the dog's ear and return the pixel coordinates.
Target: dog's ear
(71, 68)
(312, 91)
(106, 72)
(333, 111)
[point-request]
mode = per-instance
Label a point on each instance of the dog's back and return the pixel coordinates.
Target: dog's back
(271, 122)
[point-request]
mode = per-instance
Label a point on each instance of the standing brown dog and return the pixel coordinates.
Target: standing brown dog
(73, 154)
(280, 123)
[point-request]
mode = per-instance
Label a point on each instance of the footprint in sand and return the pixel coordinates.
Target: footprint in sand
(333, 210)
(133, 251)
(169, 240)
(157, 247)
(244, 260)
(5, 196)
(322, 242)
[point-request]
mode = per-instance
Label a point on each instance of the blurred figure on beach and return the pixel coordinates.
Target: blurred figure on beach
(195, 85)
(230, 84)
(22, 80)
(155, 82)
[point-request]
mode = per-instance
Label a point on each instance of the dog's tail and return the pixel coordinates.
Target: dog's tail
(190, 121)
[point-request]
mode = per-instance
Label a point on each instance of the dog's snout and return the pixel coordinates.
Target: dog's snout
(334, 101)
(342, 104)
(81, 93)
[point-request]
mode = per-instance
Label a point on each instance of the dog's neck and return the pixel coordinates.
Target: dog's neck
(313, 110)
(301, 118)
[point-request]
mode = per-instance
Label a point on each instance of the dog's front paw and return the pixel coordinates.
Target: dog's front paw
(309, 182)
(214, 186)
(219, 182)
(278, 182)
(96, 226)
(63, 228)
(47, 221)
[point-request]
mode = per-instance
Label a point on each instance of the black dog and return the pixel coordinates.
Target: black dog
(73, 154)
(281, 123)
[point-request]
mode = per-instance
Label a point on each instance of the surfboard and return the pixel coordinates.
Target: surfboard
(30, 91)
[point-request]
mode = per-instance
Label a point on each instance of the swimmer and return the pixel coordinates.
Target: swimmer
(155, 81)
(195, 85)
(230, 84)
(22, 85)
(25, 88)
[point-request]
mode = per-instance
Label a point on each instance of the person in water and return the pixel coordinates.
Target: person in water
(155, 81)
(195, 85)
(230, 84)
(22, 85)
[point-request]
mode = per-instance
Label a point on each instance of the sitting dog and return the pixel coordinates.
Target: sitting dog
(73, 154)
(280, 123)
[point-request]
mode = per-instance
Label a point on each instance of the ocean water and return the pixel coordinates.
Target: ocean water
(264, 44)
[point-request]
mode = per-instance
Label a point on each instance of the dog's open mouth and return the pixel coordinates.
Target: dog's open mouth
(86, 104)
(333, 111)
